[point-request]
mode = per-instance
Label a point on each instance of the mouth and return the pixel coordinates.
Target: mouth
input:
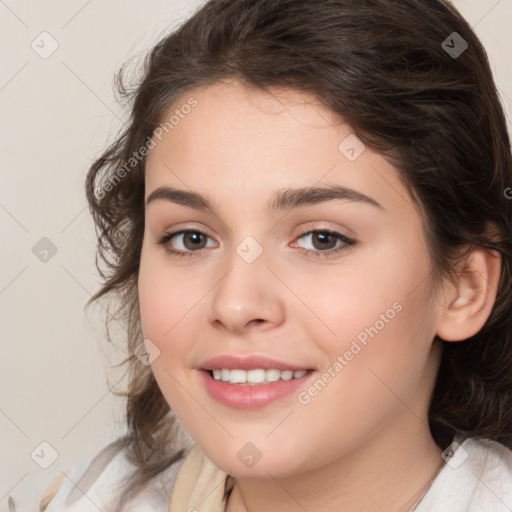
(239, 392)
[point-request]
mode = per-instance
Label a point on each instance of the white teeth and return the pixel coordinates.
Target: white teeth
(287, 375)
(273, 375)
(238, 376)
(257, 376)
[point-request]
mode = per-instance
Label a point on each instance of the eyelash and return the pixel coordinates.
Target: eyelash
(348, 242)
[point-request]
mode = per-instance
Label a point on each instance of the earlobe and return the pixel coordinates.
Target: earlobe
(470, 302)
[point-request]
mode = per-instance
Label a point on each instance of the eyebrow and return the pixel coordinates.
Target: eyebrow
(283, 199)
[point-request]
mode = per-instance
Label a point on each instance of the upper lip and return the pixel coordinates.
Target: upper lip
(232, 362)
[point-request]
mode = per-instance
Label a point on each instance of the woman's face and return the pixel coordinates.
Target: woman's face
(262, 277)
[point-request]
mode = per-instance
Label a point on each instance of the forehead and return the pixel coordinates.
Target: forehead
(245, 142)
(235, 115)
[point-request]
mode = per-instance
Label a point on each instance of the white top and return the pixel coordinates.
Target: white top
(476, 477)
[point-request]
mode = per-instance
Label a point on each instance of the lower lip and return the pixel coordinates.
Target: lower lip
(250, 397)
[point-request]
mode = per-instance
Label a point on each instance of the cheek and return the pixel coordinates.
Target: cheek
(384, 334)
(376, 372)
(164, 320)
(166, 296)
(155, 310)
(369, 293)
(382, 322)
(170, 306)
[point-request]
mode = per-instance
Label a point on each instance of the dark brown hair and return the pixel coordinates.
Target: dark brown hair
(382, 66)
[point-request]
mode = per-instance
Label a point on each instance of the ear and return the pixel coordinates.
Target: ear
(469, 303)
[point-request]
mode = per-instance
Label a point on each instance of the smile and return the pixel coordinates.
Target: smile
(252, 395)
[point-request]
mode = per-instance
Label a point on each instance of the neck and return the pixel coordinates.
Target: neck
(389, 474)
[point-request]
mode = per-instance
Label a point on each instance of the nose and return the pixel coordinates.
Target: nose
(247, 297)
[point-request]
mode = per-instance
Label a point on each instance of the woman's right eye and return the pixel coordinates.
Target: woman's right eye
(195, 237)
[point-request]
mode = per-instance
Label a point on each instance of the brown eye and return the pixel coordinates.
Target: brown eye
(189, 241)
(195, 239)
(325, 242)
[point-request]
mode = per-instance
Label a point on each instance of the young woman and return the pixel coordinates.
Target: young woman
(307, 223)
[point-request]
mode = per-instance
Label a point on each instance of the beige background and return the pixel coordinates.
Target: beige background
(56, 115)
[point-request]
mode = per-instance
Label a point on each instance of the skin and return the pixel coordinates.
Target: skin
(363, 442)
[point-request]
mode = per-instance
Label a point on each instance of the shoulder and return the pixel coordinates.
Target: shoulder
(495, 476)
(99, 478)
(477, 476)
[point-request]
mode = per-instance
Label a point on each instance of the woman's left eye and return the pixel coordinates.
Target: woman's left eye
(326, 237)
(193, 242)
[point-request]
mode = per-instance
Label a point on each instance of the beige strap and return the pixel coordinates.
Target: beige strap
(199, 485)
(50, 493)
